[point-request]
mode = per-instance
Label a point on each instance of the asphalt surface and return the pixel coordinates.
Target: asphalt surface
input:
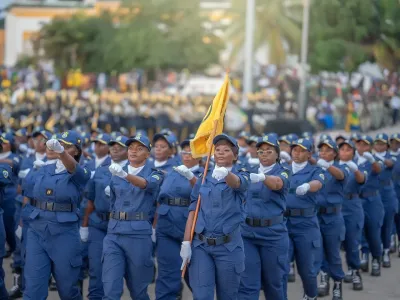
(386, 287)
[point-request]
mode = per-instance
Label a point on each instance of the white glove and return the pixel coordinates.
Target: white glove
(153, 235)
(23, 148)
(186, 253)
(22, 174)
(368, 156)
(220, 173)
(352, 166)
(285, 156)
(185, 172)
(107, 191)
(84, 233)
(18, 232)
(117, 170)
(37, 164)
(302, 189)
(254, 177)
(55, 146)
(323, 164)
(30, 151)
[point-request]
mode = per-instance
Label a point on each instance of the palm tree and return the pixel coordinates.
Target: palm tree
(277, 22)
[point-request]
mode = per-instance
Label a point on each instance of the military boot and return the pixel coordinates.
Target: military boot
(337, 293)
(357, 281)
(364, 262)
(376, 267)
(323, 287)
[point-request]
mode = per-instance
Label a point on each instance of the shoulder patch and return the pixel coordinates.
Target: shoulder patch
(5, 174)
(285, 174)
(322, 176)
(243, 170)
(156, 177)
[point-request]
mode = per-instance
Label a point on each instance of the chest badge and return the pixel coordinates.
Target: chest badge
(49, 192)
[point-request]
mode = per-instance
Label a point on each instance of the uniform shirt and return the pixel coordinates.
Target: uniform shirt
(172, 219)
(252, 164)
(333, 191)
(166, 168)
(5, 180)
(11, 190)
(396, 174)
(221, 209)
(372, 185)
(63, 187)
(125, 197)
(263, 203)
(386, 187)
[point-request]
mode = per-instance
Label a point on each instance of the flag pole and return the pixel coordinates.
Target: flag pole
(196, 212)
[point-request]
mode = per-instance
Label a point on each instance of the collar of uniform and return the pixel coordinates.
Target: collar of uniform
(4, 155)
(39, 156)
(268, 169)
(304, 170)
(99, 161)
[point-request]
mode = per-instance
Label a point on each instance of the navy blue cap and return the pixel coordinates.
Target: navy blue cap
(102, 138)
(382, 137)
(355, 136)
(293, 136)
(324, 137)
(85, 137)
(141, 132)
(70, 137)
(365, 138)
(47, 134)
(168, 138)
(225, 137)
(7, 138)
(121, 140)
(244, 134)
(395, 136)
(268, 139)
(36, 131)
(252, 139)
(185, 143)
(340, 136)
(331, 144)
(306, 144)
(144, 140)
(348, 142)
(21, 132)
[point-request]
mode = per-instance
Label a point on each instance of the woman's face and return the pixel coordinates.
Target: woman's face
(346, 153)
(380, 146)
(118, 153)
(162, 151)
(223, 155)
(267, 155)
(284, 146)
(137, 154)
(362, 147)
(187, 158)
(300, 155)
(327, 153)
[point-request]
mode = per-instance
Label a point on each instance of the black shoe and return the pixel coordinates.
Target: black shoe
(348, 277)
(376, 267)
(364, 262)
(386, 259)
(323, 287)
(357, 281)
(337, 293)
(16, 291)
(292, 275)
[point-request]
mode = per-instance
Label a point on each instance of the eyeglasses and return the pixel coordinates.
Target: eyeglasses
(267, 152)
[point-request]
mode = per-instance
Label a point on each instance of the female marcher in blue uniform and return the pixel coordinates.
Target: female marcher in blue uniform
(302, 224)
(163, 150)
(372, 205)
(218, 256)
(172, 212)
(395, 152)
(53, 233)
(331, 220)
(252, 162)
(265, 236)
(97, 214)
(353, 213)
(127, 247)
(388, 194)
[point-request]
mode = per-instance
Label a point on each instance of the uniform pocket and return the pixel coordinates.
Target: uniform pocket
(76, 261)
(239, 267)
(316, 243)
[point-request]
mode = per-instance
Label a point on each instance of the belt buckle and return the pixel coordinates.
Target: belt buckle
(122, 215)
(212, 241)
(49, 206)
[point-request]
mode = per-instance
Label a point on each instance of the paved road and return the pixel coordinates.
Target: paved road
(386, 287)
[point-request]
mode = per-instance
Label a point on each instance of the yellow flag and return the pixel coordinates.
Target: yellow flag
(202, 142)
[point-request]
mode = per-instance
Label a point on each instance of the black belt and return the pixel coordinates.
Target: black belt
(54, 206)
(129, 216)
(330, 210)
(369, 194)
(176, 201)
(385, 182)
(254, 222)
(214, 241)
(351, 196)
(104, 216)
(300, 212)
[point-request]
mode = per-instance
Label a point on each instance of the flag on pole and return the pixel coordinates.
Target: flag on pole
(201, 144)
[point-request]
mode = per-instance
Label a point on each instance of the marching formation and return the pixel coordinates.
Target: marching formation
(111, 208)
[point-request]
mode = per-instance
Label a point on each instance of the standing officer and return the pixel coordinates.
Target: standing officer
(53, 235)
(388, 194)
(172, 212)
(97, 214)
(372, 204)
(353, 213)
(331, 219)
(127, 247)
(218, 254)
(265, 236)
(303, 227)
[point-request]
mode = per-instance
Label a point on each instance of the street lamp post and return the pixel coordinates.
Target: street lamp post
(248, 51)
(304, 51)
